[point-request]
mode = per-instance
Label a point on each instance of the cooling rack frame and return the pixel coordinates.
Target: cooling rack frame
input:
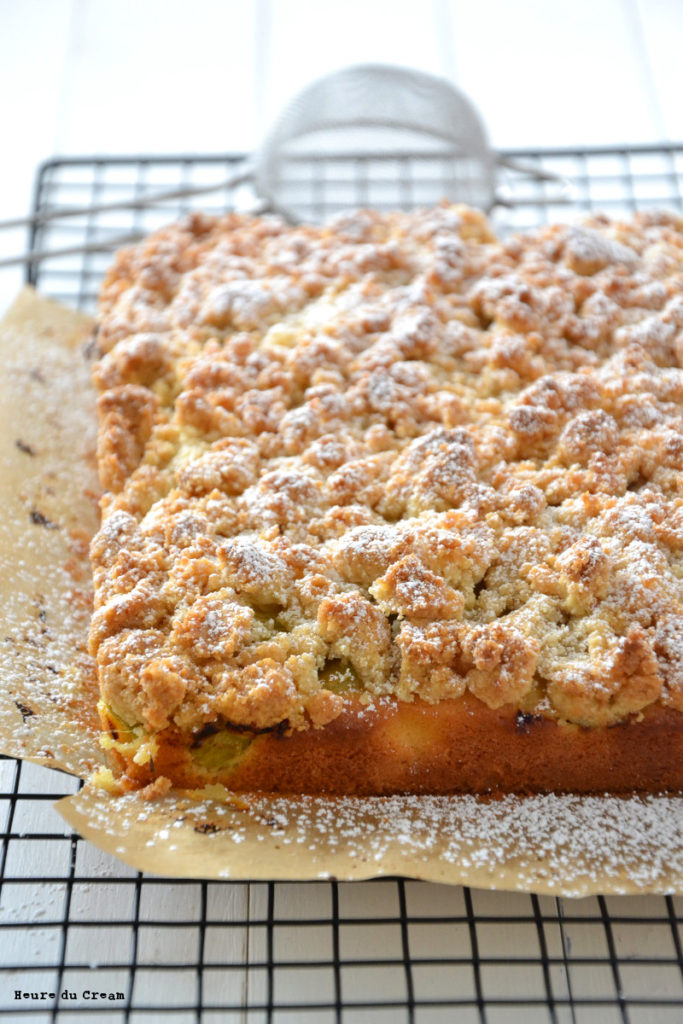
(73, 920)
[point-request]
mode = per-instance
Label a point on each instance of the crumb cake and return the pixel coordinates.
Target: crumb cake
(392, 506)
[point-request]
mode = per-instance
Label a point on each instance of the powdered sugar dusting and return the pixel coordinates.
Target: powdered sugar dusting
(563, 845)
(48, 481)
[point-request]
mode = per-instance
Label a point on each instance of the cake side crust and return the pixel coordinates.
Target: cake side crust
(456, 746)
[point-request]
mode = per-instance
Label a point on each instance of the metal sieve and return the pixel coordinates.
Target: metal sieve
(366, 113)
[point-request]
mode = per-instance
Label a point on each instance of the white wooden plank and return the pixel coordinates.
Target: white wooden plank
(257, 951)
(32, 52)
(307, 39)
(159, 76)
(303, 952)
(661, 22)
(553, 74)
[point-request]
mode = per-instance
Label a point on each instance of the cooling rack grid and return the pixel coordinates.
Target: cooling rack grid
(117, 946)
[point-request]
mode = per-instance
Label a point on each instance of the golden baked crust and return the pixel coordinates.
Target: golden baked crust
(393, 464)
(453, 746)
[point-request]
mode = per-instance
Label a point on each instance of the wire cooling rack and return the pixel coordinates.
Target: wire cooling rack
(83, 938)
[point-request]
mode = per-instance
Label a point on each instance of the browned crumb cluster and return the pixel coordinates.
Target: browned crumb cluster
(391, 456)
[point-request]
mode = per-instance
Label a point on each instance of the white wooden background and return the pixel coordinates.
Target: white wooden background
(121, 76)
(124, 76)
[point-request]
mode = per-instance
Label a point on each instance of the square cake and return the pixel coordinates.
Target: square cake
(392, 506)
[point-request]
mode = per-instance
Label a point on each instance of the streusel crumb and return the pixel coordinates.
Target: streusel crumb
(390, 456)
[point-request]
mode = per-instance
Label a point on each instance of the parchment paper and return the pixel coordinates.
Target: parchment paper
(48, 494)
(562, 845)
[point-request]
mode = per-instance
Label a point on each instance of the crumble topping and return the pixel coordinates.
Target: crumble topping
(394, 455)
